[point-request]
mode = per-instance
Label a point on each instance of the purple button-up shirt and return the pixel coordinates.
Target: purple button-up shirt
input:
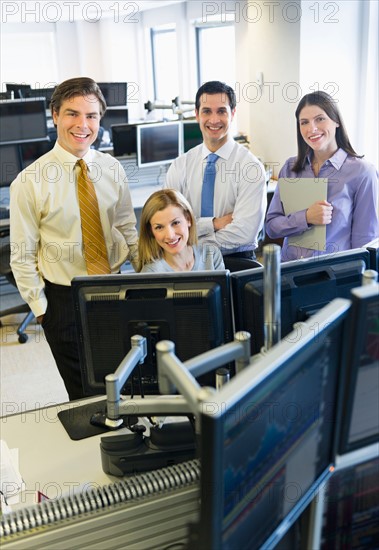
(353, 192)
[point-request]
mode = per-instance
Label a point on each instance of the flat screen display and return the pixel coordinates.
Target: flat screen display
(191, 309)
(268, 438)
(19, 90)
(158, 143)
(360, 426)
(305, 287)
(373, 248)
(115, 93)
(115, 115)
(41, 92)
(10, 163)
(124, 138)
(23, 120)
(32, 151)
(192, 135)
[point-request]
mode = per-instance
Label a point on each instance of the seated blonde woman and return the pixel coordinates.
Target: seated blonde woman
(168, 237)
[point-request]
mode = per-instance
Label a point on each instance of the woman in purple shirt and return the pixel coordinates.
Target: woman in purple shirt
(350, 212)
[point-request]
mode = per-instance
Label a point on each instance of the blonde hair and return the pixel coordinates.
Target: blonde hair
(148, 248)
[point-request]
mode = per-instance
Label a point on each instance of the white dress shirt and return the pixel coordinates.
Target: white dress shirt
(45, 228)
(240, 189)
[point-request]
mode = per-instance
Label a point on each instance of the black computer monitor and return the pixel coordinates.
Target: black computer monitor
(23, 120)
(158, 143)
(19, 90)
(373, 248)
(115, 115)
(305, 287)
(47, 93)
(268, 437)
(10, 163)
(360, 425)
(124, 138)
(115, 93)
(192, 135)
(350, 515)
(191, 309)
(32, 151)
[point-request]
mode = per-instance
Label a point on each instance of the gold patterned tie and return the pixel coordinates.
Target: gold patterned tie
(95, 252)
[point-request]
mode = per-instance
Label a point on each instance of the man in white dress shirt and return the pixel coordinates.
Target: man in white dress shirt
(239, 201)
(45, 220)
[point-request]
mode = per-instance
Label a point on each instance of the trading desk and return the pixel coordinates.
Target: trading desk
(88, 508)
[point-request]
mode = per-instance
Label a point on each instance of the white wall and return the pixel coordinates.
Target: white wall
(333, 57)
(272, 50)
(294, 44)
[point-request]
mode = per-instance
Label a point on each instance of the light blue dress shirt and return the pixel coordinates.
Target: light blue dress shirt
(240, 188)
(353, 192)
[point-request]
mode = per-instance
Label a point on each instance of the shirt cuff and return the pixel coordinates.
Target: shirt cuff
(39, 306)
(205, 227)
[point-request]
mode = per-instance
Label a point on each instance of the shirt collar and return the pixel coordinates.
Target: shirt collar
(68, 160)
(336, 160)
(224, 152)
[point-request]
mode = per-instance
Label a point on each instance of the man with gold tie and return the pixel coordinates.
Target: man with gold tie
(70, 214)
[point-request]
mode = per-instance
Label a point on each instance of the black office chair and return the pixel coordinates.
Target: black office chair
(6, 271)
(239, 264)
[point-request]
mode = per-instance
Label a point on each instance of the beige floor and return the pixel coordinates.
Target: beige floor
(29, 378)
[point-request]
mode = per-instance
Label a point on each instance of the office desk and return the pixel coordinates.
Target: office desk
(49, 461)
(83, 514)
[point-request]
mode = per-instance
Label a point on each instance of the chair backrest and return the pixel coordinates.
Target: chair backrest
(5, 254)
(239, 264)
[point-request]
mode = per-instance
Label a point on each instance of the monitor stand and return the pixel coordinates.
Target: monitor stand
(81, 422)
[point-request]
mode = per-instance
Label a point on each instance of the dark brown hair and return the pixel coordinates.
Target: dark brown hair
(79, 86)
(329, 106)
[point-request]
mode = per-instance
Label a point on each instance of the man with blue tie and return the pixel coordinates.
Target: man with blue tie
(223, 181)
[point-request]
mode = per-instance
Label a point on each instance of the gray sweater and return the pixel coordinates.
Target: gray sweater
(207, 257)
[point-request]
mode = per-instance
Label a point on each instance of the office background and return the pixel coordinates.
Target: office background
(275, 52)
(271, 52)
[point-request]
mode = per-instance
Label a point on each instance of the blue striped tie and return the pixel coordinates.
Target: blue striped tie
(207, 192)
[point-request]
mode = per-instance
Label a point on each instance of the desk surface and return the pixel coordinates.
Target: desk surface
(49, 461)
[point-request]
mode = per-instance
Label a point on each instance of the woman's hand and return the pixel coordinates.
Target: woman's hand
(320, 213)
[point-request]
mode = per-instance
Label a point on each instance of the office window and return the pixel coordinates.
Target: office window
(165, 62)
(216, 53)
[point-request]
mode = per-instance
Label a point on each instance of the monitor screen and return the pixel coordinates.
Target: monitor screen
(116, 115)
(350, 515)
(360, 426)
(124, 138)
(23, 120)
(115, 93)
(268, 437)
(19, 90)
(192, 135)
(305, 287)
(30, 152)
(158, 143)
(191, 309)
(10, 163)
(41, 92)
(373, 248)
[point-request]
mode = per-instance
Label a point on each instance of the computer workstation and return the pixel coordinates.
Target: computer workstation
(288, 404)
